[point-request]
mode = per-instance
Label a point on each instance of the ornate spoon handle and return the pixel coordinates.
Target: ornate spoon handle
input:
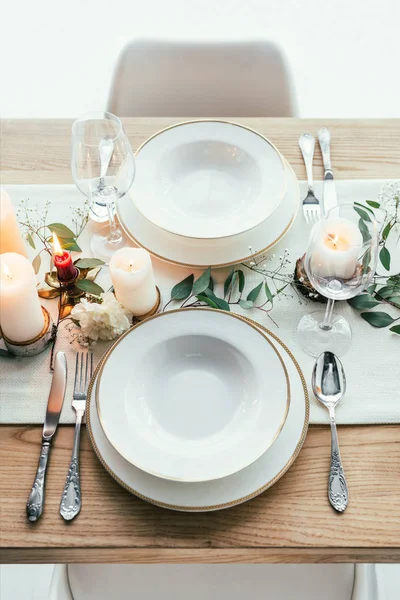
(337, 487)
(71, 503)
(34, 505)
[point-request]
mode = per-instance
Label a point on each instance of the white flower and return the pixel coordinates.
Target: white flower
(389, 199)
(101, 321)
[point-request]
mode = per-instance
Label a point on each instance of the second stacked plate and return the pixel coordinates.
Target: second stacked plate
(206, 191)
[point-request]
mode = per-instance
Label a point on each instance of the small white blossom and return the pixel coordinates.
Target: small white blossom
(101, 321)
(389, 199)
(301, 279)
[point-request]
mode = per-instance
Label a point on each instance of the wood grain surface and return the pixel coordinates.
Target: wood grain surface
(292, 521)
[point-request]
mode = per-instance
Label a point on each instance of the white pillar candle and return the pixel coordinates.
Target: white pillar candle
(133, 280)
(21, 316)
(337, 248)
(10, 233)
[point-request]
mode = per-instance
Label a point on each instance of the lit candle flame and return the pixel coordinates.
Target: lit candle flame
(58, 251)
(334, 239)
(7, 271)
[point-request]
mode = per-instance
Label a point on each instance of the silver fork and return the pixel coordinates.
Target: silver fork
(311, 206)
(71, 502)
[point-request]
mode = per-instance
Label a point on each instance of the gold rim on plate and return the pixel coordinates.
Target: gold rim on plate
(224, 122)
(108, 353)
(215, 265)
(231, 503)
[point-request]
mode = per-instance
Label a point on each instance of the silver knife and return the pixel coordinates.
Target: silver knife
(329, 196)
(34, 506)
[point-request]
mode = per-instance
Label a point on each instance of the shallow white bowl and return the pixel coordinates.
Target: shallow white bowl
(193, 395)
(208, 179)
(221, 252)
(220, 493)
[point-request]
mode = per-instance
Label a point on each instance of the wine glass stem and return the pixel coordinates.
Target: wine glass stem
(115, 234)
(327, 322)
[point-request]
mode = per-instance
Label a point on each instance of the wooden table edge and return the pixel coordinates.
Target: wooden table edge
(198, 556)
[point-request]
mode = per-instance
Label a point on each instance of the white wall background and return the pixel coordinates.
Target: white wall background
(58, 57)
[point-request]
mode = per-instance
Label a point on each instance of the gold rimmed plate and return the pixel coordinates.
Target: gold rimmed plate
(200, 253)
(192, 395)
(208, 179)
(222, 493)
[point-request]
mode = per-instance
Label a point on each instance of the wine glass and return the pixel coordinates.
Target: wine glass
(103, 168)
(340, 263)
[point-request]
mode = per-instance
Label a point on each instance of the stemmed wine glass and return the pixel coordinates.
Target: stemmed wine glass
(103, 168)
(340, 263)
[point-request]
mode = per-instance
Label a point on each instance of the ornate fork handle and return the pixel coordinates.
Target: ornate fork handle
(71, 503)
(337, 487)
(34, 505)
(307, 145)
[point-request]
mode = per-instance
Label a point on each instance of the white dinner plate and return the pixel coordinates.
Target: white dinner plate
(192, 395)
(220, 493)
(208, 179)
(222, 252)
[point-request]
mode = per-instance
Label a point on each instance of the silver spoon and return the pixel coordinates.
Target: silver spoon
(329, 386)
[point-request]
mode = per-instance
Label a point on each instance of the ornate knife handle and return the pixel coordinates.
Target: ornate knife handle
(337, 487)
(324, 138)
(34, 506)
(71, 503)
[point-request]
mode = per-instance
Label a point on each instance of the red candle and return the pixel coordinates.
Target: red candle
(66, 271)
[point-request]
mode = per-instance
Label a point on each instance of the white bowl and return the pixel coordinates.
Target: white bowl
(193, 395)
(208, 179)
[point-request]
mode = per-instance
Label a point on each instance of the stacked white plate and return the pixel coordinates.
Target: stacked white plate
(197, 409)
(207, 191)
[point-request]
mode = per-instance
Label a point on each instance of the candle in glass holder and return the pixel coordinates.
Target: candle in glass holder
(66, 271)
(133, 280)
(21, 315)
(337, 249)
(10, 233)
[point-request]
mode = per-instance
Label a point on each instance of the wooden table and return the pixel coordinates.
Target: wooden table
(291, 522)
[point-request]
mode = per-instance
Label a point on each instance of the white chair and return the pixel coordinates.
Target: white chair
(172, 79)
(214, 582)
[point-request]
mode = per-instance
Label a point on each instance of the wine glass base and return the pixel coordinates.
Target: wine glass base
(102, 247)
(314, 340)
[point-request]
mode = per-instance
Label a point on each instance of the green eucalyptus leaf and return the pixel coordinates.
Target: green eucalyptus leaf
(363, 301)
(202, 282)
(366, 260)
(220, 302)
(362, 212)
(207, 300)
(395, 329)
(241, 280)
(61, 230)
(386, 231)
(384, 257)
(90, 287)
(211, 284)
(373, 203)
(37, 261)
(70, 244)
(371, 289)
(30, 241)
(363, 207)
(377, 319)
(386, 291)
(89, 263)
(229, 281)
(364, 231)
(268, 293)
(183, 289)
(394, 300)
(253, 295)
(246, 304)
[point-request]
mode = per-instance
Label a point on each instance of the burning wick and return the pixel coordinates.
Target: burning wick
(334, 239)
(131, 269)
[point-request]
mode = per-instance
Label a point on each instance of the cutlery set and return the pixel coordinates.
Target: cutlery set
(311, 205)
(70, 504)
